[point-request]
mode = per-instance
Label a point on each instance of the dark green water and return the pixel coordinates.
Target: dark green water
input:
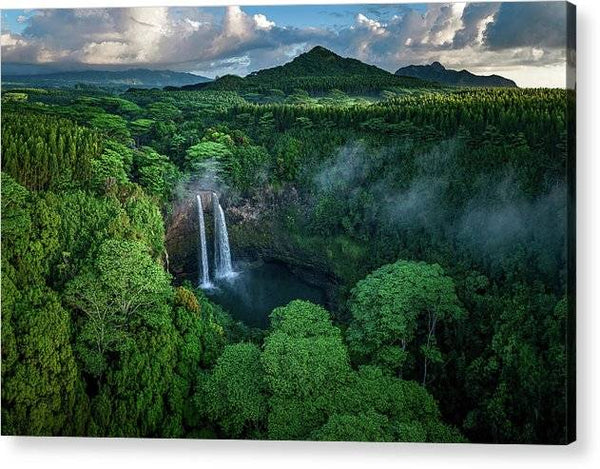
(255, 292)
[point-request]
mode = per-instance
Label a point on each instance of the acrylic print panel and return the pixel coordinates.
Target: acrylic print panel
(309, 222)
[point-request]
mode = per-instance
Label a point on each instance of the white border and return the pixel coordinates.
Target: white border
(92, 453)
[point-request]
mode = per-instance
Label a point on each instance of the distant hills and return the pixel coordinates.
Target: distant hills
(318, 70)
(138, 77)
(437, 73)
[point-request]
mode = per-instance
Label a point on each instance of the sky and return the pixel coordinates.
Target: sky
(524, 41)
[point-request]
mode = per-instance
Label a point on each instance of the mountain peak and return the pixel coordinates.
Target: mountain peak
(317, 70)
(437, 66)
(319, 62)
(321, 51)
(318, 54)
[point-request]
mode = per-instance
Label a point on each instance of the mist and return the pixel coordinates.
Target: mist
(420, 192)
(207, 177)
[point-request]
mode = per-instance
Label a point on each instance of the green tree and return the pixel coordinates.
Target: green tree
(163, 111)
(121, 283)
(526, 353)
(399, 410)
(248, 167)
(141, 128)
(42, 393)
(287, 158)
(199, 153)
(390, 304)
(108, 169)
(306, 363)
(112, 126)
(352, 427)
(155, 172)
(234, 392)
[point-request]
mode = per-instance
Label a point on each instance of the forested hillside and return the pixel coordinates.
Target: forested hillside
(438, 218)
(316, 71)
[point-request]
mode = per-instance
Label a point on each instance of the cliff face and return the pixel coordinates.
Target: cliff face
(182, 240)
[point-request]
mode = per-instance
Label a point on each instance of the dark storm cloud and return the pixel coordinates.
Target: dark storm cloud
(474, 18)
(539, 24)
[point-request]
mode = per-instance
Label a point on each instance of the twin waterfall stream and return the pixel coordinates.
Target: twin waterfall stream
(222, 252)
(259, 287)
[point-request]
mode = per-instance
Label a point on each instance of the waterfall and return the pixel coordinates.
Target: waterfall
(222, 252)
(204, 279)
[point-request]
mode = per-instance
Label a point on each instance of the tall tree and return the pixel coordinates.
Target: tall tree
(396, 306)
(234, 392)
(121, 285)
(306, 363)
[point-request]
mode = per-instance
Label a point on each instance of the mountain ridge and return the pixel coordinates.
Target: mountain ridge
(317, 70)
(437, 73)
(138, 77)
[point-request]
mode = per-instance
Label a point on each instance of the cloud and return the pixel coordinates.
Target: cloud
(528, 24)
(475, 36)
(372, 25)
(93, 36)
(448, 21)
(493, 221)
(500, 218)
(130, 36)
(475, 18)
(262, 22)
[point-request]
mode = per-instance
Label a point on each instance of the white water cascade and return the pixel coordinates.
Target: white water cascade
(205, 279)
(223, 267)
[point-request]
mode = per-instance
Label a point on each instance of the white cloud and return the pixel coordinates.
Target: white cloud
(446, 22)
(262, 22)
(10, 41)
(27, 51)
(130, 36)
(374, 26)
(195, 25)
(482, 26)
(553, 76)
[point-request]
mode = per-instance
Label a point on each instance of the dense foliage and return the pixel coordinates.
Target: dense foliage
(439, 215)
(47, 153)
